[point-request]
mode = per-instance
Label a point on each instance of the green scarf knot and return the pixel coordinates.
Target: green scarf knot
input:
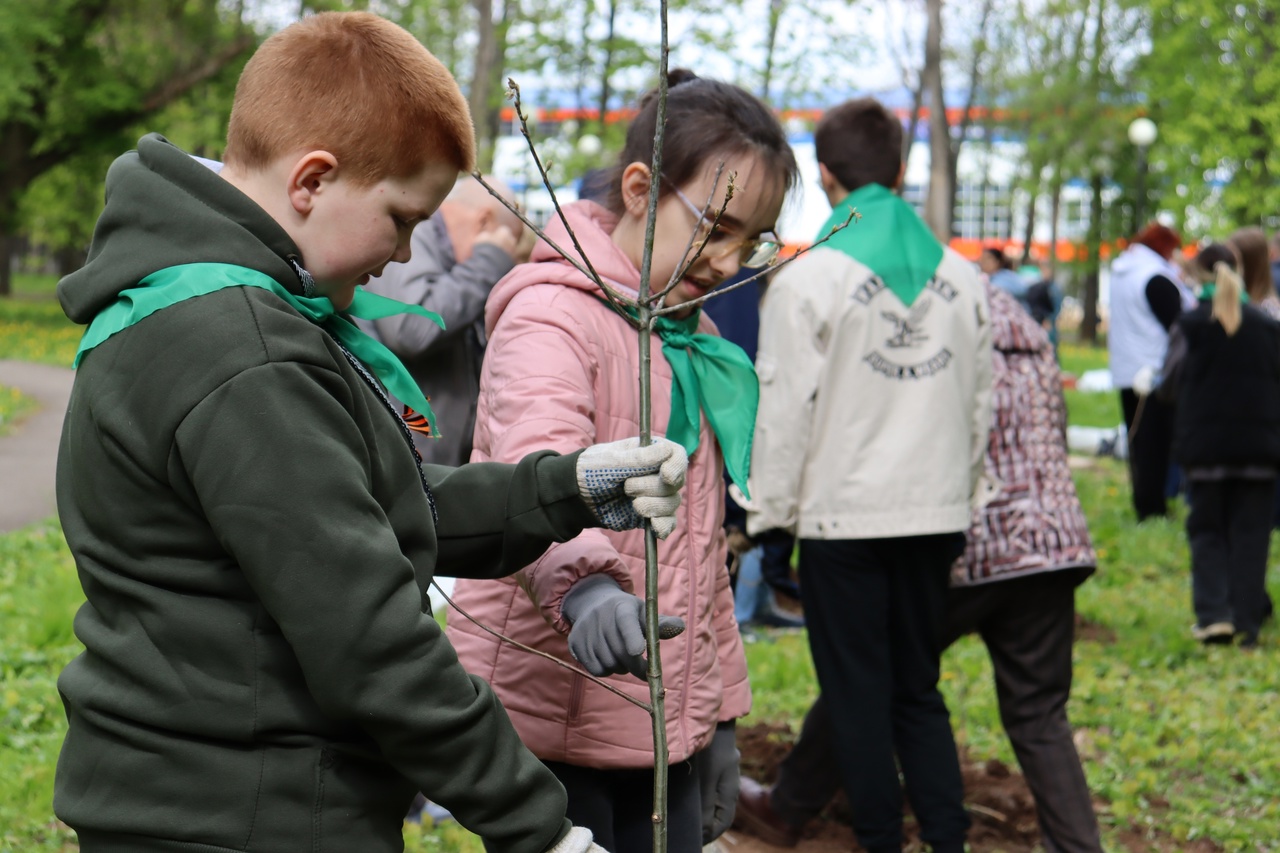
(716, 376)
(176, 284)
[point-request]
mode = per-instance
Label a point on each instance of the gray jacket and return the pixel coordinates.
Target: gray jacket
(446, 363)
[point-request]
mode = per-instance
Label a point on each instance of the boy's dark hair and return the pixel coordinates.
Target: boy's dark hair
(860, 143)
(705, 118)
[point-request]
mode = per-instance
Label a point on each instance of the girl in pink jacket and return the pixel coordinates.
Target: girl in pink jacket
(561, 371)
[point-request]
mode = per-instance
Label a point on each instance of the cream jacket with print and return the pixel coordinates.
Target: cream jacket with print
(873, 414)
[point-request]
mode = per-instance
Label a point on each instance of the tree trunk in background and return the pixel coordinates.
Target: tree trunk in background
(482, 79)
(1055, 211)
(917, 101)
(606, 67)
(966, 117)
(1089, 324)
(6, 264)
(771, 42)
(938, 203)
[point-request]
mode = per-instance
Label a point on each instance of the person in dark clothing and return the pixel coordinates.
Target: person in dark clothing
(1146, 298)
(1227, 436)
(763, 562)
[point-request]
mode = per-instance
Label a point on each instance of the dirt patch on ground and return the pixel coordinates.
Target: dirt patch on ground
(1088, 631)
(1003, 811)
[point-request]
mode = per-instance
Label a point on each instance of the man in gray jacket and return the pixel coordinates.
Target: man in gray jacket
(458, 256)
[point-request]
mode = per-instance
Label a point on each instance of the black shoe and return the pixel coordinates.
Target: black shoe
(772, 616)
(1248, 641)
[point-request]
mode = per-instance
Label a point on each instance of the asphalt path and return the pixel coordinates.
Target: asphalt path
(29, 453)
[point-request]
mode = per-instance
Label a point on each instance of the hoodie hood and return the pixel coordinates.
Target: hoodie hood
(164, 208)
(592, 224)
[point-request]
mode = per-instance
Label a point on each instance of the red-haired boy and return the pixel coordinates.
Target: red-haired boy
(251, 527)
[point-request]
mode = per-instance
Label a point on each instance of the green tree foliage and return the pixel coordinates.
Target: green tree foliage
(1214, 89)
(77, 75)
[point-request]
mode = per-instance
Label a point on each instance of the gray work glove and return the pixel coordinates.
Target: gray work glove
(624, 483)
(577, 840)
(718, 778)
(608, 630)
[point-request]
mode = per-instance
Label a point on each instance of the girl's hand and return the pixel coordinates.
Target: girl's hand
(608, 634)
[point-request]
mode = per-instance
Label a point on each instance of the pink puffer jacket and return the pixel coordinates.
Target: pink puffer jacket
(561, 372)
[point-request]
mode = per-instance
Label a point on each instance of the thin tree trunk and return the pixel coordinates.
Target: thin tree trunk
(7, 245)
(482, 76)
(1089, 324)
(606, 67)
(971, 100)
(938, 202)
(917, 101)
(771, 41)
(1055, 211)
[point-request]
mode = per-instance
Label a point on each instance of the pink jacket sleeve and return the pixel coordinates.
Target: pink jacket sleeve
(537, 392)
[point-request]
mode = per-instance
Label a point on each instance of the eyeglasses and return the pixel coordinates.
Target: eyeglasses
(717, 243)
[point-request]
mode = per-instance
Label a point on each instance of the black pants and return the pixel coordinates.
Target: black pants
(874, 609)
(1149, 446)
(1027, 625)
(616, 806)
(1229, 531)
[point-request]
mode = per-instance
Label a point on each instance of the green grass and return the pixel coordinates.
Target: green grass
(34, 285)
(1098, 409)
(14, 406)
(37, 330)
(39, 594)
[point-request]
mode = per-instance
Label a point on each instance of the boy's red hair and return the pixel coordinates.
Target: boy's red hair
(355, 85)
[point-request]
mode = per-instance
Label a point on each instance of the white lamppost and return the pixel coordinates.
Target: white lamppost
(1142, 133)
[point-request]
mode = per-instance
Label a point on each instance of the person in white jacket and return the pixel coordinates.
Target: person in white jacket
(875, 375)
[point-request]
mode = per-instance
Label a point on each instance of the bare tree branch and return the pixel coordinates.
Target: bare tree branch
(555, 660)
(683, 270)
(613, 297)
(616, 300)
(693, 303)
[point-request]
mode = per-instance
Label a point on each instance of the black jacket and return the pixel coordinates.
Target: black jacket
(261, 671)
(1228, 392)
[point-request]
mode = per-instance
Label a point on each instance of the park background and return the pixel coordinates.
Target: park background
(1179, 742)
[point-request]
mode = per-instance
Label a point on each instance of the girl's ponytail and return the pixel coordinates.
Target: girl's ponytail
(1226, 298)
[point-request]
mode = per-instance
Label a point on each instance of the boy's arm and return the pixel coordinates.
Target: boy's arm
(496, 518)
(292, 505)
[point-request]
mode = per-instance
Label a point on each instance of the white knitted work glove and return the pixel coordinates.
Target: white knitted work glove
(624, 483)
(579, 840)
(1145, 381)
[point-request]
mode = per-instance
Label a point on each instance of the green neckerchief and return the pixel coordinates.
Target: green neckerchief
(176, 284)
(889, 238)
(717, 376)
(1208, 290)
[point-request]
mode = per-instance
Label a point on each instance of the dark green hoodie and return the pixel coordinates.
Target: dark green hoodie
(261, 672)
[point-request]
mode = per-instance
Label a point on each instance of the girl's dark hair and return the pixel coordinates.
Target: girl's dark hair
(705, 118)
(1208, 258)
(1000, 257)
